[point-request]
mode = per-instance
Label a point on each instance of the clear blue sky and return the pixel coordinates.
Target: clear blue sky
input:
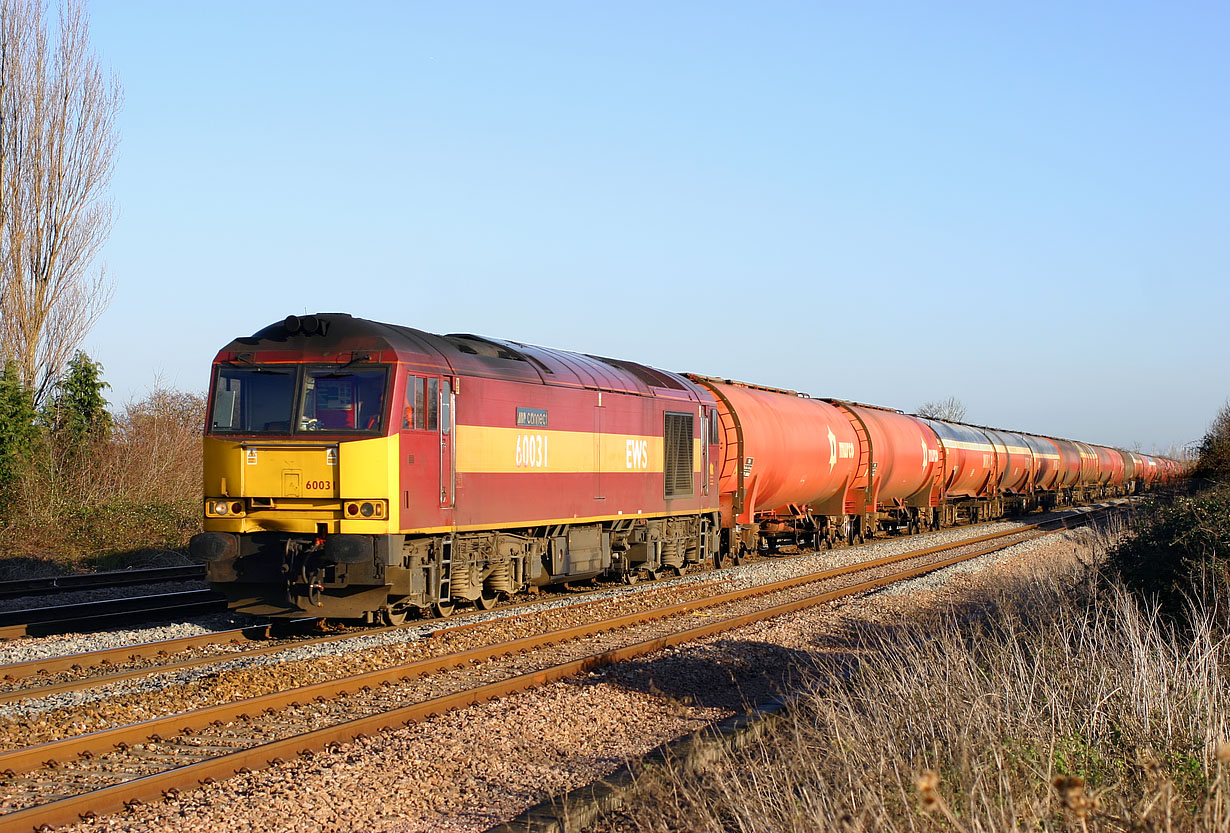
(1024, 205)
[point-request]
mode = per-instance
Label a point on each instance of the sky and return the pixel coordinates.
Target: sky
(1023, 205)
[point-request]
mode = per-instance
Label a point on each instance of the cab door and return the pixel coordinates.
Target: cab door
(421, 452)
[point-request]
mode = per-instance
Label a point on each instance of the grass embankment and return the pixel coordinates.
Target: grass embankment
(1067, 702)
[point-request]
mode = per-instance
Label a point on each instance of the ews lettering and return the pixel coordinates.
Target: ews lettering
(638, 454)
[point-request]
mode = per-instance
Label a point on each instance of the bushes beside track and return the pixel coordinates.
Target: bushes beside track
(88, 488)
(1180, 552)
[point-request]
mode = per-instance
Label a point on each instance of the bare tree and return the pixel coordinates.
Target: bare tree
(950, 409)
(57, 147)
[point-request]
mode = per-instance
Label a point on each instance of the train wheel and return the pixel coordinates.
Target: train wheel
(630, 577)
(442, 610)
(396, 618)
(485, 602)
(718, 560)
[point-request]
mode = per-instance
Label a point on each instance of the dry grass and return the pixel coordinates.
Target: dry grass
(140, 489)
(1055, 704)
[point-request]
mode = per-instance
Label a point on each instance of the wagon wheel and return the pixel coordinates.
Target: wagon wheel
(442, 610)
(485, 602)
(718, 559)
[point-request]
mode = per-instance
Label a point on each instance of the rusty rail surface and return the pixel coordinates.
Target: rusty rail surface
(113, 798)
(110, 656)
(165, 648)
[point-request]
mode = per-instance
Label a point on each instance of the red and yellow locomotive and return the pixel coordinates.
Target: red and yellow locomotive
(363, 470)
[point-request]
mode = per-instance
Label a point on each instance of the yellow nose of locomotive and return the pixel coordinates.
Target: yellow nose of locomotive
(300, 487)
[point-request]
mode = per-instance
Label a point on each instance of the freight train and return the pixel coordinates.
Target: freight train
(360, 470)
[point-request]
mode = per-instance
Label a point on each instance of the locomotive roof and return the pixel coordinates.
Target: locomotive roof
(336, 337)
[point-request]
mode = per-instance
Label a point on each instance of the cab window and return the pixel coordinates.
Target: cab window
(336, 400)
(253, 400)
(421, 411)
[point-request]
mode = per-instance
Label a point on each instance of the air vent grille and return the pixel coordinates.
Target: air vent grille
(678, 448)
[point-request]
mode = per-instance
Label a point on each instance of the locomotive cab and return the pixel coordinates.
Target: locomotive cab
(298, 468)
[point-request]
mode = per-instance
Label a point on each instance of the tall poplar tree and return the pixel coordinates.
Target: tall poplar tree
(58, 139)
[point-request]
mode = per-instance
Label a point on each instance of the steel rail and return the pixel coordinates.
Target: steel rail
(258, 631)
(108, 656)
(90, 804)
(145, 650)
(88, 615)
(94, 743)
(89, 581)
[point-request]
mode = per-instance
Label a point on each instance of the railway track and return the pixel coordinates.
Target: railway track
(42, 677)
(58, 782)
(33, 587)
(44, 621)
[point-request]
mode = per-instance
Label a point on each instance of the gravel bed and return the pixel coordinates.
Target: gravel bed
(54, 716)
(26, 649)
(467, 770)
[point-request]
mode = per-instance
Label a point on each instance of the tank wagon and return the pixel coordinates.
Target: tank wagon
(360, 470)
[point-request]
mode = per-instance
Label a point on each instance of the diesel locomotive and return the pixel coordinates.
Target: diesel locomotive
(361, 470)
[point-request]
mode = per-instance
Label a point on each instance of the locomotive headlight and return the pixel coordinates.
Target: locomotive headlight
(366, 509)
(223, 508)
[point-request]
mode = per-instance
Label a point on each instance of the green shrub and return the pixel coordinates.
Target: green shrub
(1180, 548)
(1214, 461)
